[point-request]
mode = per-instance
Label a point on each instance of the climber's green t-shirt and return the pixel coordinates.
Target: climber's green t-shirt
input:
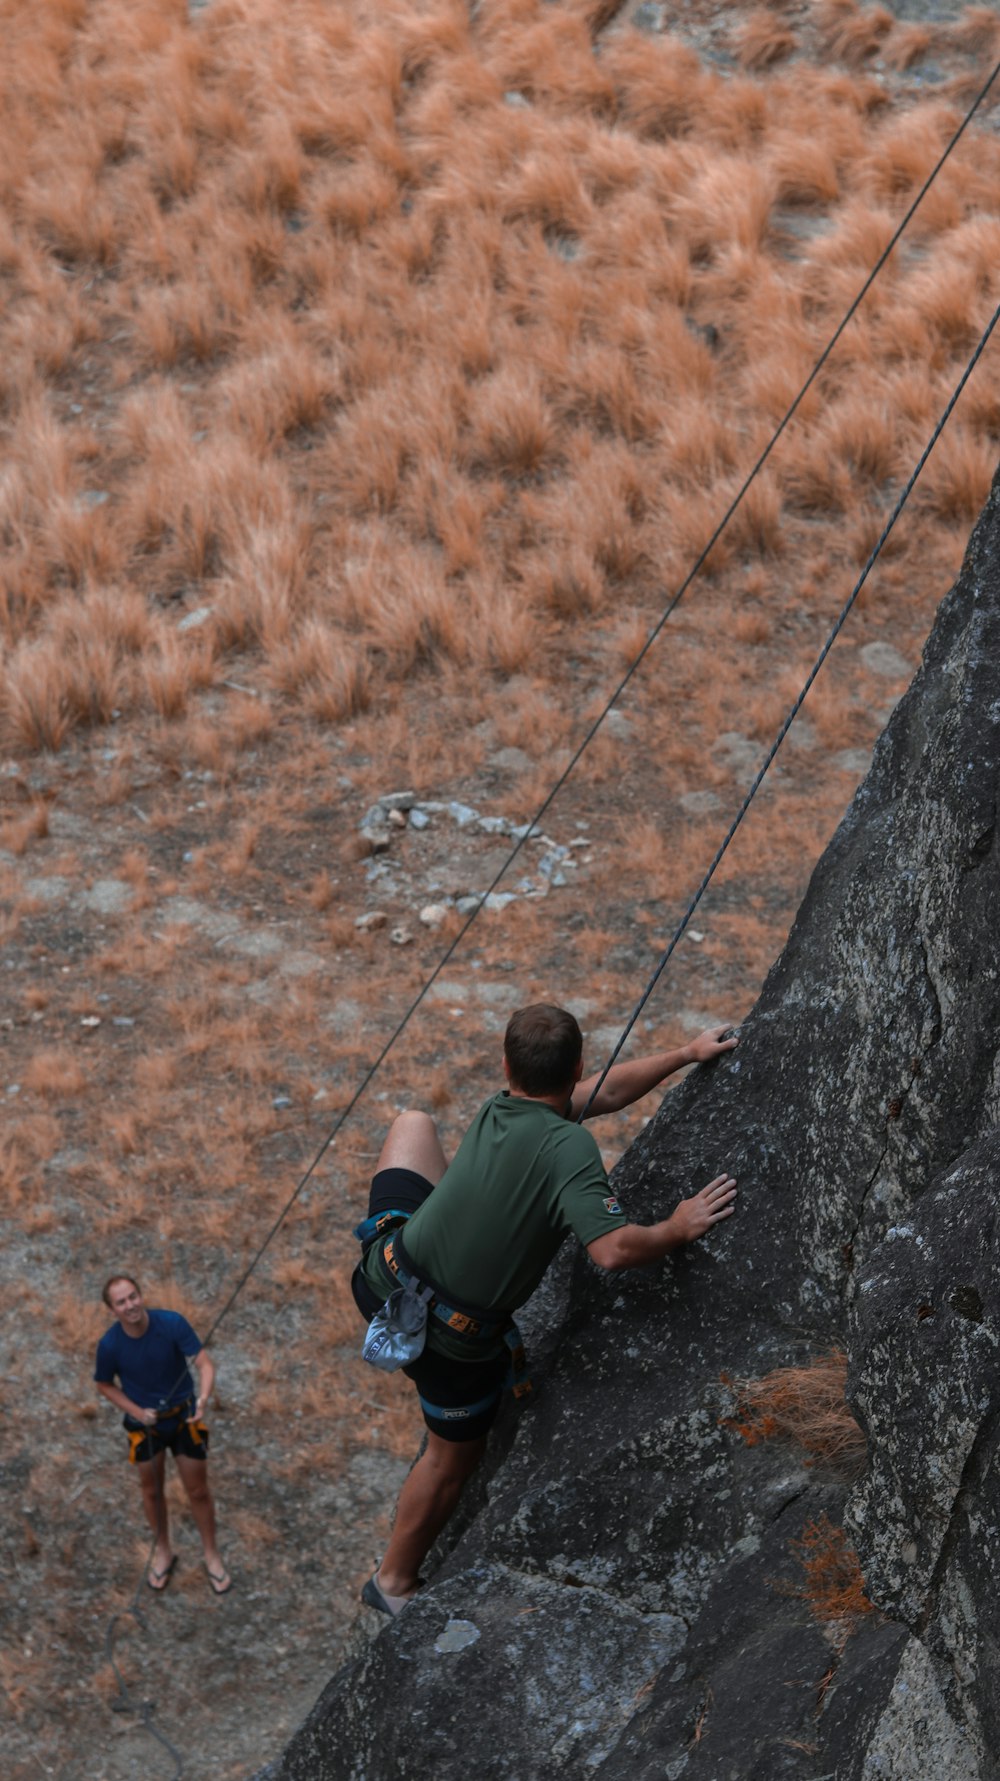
(522, 1178)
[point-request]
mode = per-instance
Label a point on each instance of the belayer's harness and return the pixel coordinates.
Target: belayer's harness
(167, 1413)
(396, 1334)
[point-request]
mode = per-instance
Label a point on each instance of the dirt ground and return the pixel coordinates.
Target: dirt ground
(308, 1451)
(190, 1004)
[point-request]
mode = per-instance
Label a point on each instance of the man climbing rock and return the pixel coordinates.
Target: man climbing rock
(150, 1354)
(476, 1236)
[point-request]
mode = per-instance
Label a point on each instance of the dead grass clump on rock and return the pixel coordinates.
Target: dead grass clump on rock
(171, 671)
(23, 1150)
(280, 383)
(76, 1324)
(908, 45)
(832, 1587)
(512, 427)
(567, 583)
(549, 58)
(863, 437)
(726, 202)
(944, 306)
(805, 172)
(757, 523)
(977, 30)
(155, 1075)
(958, 478)
(325, 669)
(805, 1405)
(367, 455)
(546, 188)
(16, 836)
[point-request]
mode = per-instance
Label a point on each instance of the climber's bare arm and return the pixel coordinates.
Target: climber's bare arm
(628, 1082)
(635, 1245)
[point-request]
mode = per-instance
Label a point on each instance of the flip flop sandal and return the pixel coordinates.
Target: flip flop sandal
(158, 1581)
(216, 1584)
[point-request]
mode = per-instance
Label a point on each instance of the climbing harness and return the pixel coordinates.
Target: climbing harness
(398, 1330)
(464, 1321)
(172, 1423)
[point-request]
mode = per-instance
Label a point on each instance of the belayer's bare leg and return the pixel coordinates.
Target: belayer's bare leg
(152, 1483)
(194, 1477)
(412, 1142)
(426, 1501)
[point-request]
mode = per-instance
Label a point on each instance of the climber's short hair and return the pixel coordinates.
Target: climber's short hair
(543, 1046)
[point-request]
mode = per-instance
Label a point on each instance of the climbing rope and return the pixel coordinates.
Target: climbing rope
(532, 827)
(796, 708)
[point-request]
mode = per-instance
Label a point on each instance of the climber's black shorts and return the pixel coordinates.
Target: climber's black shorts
(459, 1398)
(398, 1190)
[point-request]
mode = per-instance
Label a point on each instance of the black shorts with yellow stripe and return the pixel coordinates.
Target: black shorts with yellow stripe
(174, 1434)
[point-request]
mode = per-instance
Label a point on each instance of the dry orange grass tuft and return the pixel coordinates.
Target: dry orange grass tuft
(832, 1586)
(907, 44)
(851, 34)
(977, 30)
(805, 1405)
(661, 87)
(805, 173)
(762, 40)
(54, 1073)
(76, 1323)
(18, 835)
(22, 1151)
(511, 426)
(958, 478)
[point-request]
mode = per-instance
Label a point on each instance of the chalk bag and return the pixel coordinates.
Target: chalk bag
(397, 1332)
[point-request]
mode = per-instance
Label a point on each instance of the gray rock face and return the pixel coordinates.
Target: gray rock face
(926, 1518)
(629, 1564)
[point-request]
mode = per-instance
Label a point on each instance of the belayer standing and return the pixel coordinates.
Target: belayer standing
(149, 1353)
(471, 1240)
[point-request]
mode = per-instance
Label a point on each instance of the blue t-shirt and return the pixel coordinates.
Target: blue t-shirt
(152, 1368)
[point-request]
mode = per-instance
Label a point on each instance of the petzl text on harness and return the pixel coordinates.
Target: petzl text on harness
(397, 1333)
